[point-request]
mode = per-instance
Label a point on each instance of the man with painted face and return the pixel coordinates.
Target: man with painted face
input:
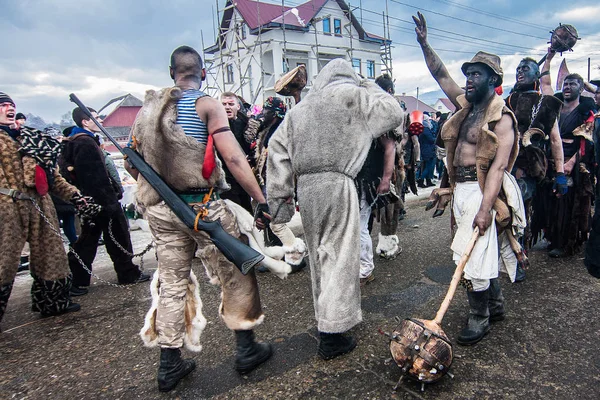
(481, 141)
(569, 215)
(536, 111)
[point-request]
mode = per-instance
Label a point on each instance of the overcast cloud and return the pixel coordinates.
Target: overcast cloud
(101, 49)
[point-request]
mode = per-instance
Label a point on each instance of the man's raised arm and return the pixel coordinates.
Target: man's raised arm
(434, 63)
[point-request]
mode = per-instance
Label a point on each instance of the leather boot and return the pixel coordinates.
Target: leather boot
(496, 302)
(249, 353)
(478, 324)
(335, 344)
(172, 369)
(428, 183)
(421, 183)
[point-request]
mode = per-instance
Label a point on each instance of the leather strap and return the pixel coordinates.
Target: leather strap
(15, 194)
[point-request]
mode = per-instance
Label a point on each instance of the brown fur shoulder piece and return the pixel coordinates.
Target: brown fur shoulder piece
(176, 157)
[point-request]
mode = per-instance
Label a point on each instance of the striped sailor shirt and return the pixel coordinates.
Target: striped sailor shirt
(187, 117)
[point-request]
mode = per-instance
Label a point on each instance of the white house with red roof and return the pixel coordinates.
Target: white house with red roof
(261, 41)
(444, 105)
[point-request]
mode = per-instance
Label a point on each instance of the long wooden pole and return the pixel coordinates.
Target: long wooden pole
(456, 277)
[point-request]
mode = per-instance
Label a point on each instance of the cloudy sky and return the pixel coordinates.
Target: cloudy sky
(101, 49)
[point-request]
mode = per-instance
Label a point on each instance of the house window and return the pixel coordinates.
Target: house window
(356, 65)
(370, 69)
(327, 25)
(285, 66)
(337, 26)
(229, 69)
(243, 32)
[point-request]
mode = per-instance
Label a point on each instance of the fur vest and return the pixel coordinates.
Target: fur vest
(176, 157)
(487, 145)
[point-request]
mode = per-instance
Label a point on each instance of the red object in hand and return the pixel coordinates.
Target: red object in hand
(499, 91)
(416, 123)
(41, 181)
(209, 159)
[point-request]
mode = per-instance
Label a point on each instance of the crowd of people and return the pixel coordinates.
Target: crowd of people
(518, 169)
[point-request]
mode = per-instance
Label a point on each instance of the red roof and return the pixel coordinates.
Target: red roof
(413, 104)
(257, 14)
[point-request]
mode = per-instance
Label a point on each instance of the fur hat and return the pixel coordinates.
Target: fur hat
(490, 60)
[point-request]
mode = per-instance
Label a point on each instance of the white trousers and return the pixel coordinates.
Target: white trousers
(366, 243)
(483, 263)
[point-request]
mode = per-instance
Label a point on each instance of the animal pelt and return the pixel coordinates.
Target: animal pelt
(195, 322)
(273, 254)
(388, 246)
(176, 157)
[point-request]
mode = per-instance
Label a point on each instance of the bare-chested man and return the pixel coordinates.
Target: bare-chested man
(481, 147)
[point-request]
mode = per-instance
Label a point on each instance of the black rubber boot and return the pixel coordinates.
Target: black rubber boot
(496, 302)
(335, 344)
(420, 183)
(479, 318)
(172, 369)
(249, 353)
(428, 183)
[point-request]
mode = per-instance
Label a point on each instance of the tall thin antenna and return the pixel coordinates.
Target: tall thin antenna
(287, 67)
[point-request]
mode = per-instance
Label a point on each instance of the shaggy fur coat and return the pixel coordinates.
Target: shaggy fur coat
(176, 157)
(20, 221)
(323, 142)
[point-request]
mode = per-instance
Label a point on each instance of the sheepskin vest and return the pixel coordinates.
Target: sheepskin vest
(487, 142)
(176, 157)
(522, 104)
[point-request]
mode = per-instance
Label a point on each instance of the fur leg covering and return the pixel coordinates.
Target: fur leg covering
(296, 253)
(195, 322)
(388, 247)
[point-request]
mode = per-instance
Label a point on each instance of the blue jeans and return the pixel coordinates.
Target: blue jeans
(426, 169)
(68, 225)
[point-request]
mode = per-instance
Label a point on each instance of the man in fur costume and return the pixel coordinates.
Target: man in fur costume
(570, 215)
(83, 163)
(174, 132)
(481, 141)
(323, 142)
(537, 117)
(274, 110)
(28, 172)
(372, 183)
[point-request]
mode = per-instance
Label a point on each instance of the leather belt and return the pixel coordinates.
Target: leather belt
(15, 194)
(466, 174)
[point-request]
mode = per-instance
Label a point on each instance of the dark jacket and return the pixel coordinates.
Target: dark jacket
(89, 174)
(427, 143)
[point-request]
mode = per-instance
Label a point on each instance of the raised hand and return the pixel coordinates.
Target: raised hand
(421, 28)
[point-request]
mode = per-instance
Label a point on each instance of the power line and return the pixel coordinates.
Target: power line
(467, 21)
(493, 15)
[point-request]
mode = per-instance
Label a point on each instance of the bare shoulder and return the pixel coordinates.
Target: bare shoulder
(206, 106)
(505, 127)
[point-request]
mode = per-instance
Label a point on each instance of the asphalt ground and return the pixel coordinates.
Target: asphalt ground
(546, 348)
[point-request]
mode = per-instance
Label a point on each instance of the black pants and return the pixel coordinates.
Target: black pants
(238, 195)
(87, 246)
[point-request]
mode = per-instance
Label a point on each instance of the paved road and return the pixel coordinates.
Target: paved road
(547, 348)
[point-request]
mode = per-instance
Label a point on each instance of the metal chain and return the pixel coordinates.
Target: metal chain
(124, 250)
(78, 258)
(535, 110)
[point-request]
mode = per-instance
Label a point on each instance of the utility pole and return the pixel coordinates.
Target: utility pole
(589, 67)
